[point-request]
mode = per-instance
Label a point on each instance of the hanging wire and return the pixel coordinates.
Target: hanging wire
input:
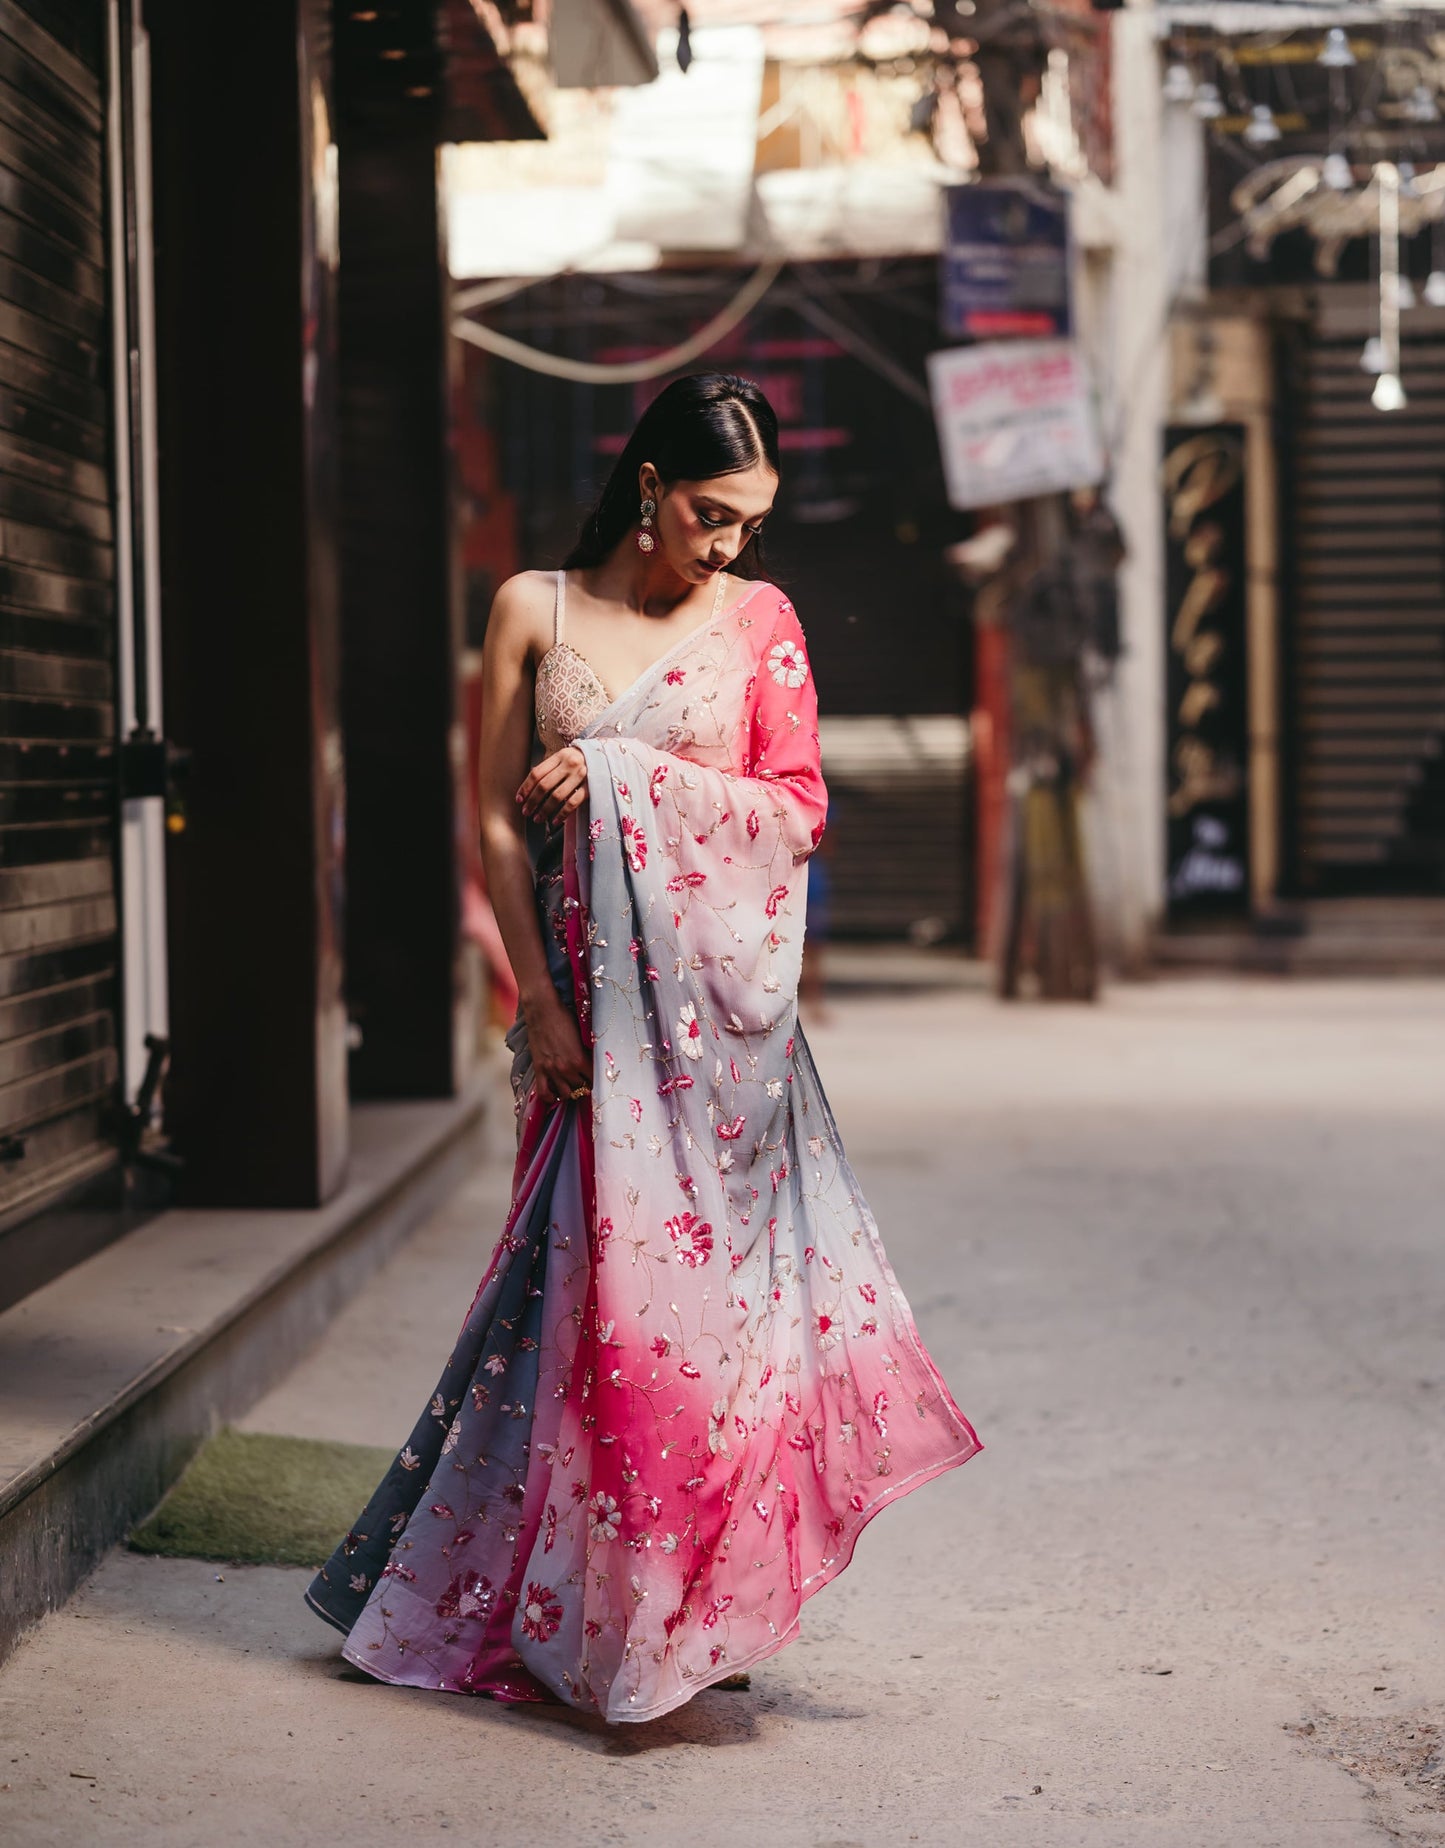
(629, 372)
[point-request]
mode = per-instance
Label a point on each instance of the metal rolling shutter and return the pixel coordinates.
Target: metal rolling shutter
(1369, 634)
(895, 849)
(58, 944)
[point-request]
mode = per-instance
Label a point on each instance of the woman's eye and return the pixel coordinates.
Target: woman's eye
(708, 520)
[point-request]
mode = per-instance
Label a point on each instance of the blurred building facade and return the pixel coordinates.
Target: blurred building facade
(232, 739)
(1303, 477)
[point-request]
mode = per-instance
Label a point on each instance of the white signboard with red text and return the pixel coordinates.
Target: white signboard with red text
(1015, 419)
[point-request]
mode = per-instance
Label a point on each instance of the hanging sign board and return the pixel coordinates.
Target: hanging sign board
(1207, 870)
(1014, 419)
(1005, 269)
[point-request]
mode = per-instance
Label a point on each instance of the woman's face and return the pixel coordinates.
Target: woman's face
(703, 525)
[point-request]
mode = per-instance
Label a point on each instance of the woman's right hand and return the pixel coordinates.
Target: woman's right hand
(560, 1062)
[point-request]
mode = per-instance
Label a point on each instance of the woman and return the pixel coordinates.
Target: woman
(688, 1378)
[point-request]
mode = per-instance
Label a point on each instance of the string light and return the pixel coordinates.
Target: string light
(1337, 173)
(1389, 393)
(1178, 84)
(1335, 54)
(1208, 103)
(1262, 130)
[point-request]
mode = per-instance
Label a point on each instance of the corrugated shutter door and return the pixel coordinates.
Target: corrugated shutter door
(58, 945)
(894, 852)
(1369, 651)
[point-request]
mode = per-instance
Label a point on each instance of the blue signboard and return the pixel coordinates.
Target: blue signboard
(1005, 270)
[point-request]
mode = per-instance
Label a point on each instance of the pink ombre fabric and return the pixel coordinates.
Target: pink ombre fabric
(689, 1378)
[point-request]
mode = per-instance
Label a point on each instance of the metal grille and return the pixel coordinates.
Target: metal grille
(1369, 632)
(57, 566)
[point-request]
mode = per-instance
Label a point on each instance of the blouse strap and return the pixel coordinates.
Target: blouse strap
(559, 616)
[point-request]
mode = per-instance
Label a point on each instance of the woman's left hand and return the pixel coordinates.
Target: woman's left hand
(556, 786)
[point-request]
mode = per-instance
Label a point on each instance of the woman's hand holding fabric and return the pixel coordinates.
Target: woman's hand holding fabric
(559, 1061)
(556, 786)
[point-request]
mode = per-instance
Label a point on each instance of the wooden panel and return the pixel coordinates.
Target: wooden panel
(1369, 644)
(58, 941)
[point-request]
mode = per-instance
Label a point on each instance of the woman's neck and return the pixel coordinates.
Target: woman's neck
(648, 586)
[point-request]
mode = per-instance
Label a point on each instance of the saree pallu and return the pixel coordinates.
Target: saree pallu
(689, 1377)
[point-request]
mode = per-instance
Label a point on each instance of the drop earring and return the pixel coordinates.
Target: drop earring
(645, 539)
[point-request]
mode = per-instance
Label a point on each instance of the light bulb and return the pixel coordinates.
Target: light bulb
(1434, 290)
(1405, 293)
(1262, 129)
(1337, 173)
(1389, 393)
(1208, 104)
(1178, 84)
(1373, 357)
(1335, 53)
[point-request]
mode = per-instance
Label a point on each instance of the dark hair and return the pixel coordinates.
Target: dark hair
(696, 428)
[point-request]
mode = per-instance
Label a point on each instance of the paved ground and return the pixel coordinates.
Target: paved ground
(1181, 1258)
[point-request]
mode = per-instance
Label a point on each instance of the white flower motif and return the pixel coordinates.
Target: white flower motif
(788, 665)
(605, 1519)
(689, 1031)
(669, 1543)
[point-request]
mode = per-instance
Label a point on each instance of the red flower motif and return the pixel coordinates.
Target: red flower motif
(754, 825)
(676, 676)
(541, 1612)
(729, 1132)
(692, 1237)
(468, 1595)
(634, 844)
(773, 900)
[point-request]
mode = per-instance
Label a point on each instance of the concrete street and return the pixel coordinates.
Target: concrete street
(1182, 1259)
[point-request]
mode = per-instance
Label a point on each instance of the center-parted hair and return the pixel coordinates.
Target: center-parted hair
(696, 428)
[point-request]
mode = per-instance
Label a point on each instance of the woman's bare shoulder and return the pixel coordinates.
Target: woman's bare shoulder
(521, 616)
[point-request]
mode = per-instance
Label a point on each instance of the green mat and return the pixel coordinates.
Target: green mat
(265, 1501)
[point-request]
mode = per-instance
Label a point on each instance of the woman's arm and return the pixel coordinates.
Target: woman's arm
(508, 682)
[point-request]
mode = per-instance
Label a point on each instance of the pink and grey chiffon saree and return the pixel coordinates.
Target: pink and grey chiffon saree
(688, 1378)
